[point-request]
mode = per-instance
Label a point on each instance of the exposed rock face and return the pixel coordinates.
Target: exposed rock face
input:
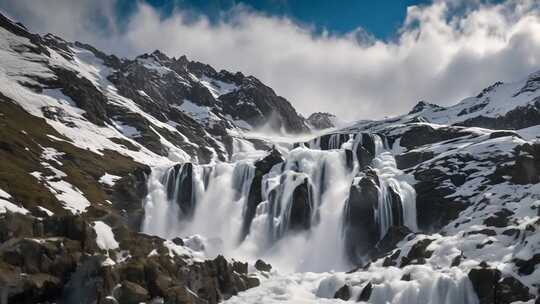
(491, 287)
(301, 207)
(262, 167)
(179, 185)
(361, 231)
(519, 118)
(128, 194)
(421, 134)
(422, 106)
(321, 121)
(526, 170)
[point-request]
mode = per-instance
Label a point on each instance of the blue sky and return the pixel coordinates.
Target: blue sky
(381, 18)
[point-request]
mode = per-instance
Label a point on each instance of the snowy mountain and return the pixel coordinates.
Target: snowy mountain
(162, 180)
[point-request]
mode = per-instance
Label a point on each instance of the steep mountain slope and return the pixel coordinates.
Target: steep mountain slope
(439, 205)
(79, 132)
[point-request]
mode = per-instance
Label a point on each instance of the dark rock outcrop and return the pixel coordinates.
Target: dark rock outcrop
(301, 207)
(262, 167)
(360, 229)
(343, 293)
(260, 265)
(492, 288)
(128, 194)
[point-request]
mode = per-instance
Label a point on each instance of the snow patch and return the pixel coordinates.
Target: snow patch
(105, 236)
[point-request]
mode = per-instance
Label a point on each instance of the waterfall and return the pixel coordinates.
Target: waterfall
(305, 202)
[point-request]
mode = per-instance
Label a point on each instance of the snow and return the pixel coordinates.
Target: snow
(4, 194)
(6, 206)
(73, 198)
(109, 179)
(530, 133)
(105, 236)
(217, 87)
(202, 114)
(47, 211)
(151, 64)
(127, 130)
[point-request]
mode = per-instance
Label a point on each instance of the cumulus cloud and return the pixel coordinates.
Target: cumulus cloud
(443, 52)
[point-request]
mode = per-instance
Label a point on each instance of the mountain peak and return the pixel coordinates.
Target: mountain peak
(423, 105)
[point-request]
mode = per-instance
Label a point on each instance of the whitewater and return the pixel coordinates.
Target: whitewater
(305, 223)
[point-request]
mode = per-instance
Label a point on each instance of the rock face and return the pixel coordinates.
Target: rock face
(491, 287)
(262, 167)
(360, 229)
(179, 183)
(301, 207)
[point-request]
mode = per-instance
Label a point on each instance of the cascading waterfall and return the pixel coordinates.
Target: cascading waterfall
(299, 221)
(322, 206)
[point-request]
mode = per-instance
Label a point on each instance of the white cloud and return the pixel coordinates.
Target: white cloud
(444, 51)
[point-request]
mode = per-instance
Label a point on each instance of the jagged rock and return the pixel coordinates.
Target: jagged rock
(360, 230)
(15, 225)
(301, 207)
(422, 105)
(90, 282)
(84, 94)
(499, 219)
(397, 207)
(343, 293)
(491, 288)
(260, 265)
(433, 206)
(422, 134)
(364, 157)
(72, 227)
(129, 193)
(262, 167)
(180, 187)
(526, 169)
(388, 243)
(527, 267)
(413, 158)
(366, 293)
(418, 253)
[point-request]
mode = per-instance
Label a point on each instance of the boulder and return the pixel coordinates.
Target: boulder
(260, 265)
(132, 293)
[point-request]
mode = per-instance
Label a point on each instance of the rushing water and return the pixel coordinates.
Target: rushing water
(302, 221)
(299, 222)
